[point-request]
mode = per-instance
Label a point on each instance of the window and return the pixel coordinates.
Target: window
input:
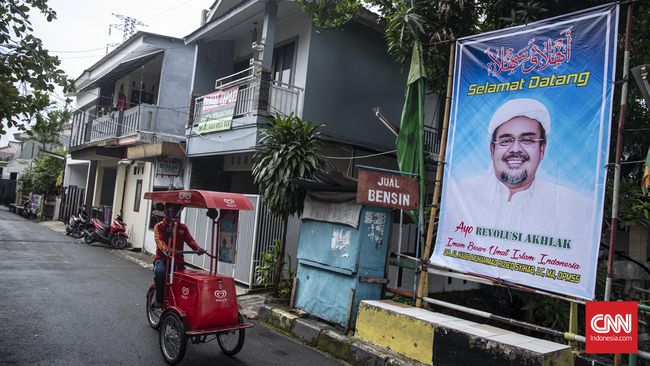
(13, 176)
(283, 63)
(138, 194)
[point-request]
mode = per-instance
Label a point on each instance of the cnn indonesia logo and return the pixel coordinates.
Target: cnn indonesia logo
(612, 327)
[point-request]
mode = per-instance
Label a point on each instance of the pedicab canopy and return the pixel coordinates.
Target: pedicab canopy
(202, 199)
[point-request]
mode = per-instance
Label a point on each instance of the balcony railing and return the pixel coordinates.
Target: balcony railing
(114, 124)
(431, 141)
(104, 127)
(284, 98)
(257, 94)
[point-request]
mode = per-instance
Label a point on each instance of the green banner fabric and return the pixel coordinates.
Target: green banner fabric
(410, 140)
(217, 110)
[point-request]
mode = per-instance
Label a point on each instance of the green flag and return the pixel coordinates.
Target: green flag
(410, 141)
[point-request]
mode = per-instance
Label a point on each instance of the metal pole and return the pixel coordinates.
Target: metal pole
(619, 153)
(399, 241)
(518, 323)
(438, 182)
(573, 321)
(418, 279)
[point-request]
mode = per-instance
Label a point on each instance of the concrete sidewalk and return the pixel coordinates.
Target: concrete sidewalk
(276, 315)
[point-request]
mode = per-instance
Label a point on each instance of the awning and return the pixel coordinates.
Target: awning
(202, 199)
(120, 70)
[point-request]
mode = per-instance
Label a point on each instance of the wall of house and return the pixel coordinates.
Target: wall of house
(76, 173)
(213, 60)
(349, 73)
(148, 77)
(175, 84)
(294, 29)
(17, 166)
(135, 208)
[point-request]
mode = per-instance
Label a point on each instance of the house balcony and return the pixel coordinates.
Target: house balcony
(115, 128)
(257, 94)
(107, 136)
(257, 98)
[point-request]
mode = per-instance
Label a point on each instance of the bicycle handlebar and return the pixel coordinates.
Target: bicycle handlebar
(197, 252)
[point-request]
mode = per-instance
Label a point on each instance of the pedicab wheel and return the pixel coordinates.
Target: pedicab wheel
(231, 342)
(118, 242)
(89, 238)
(172, 338)
(153, 315)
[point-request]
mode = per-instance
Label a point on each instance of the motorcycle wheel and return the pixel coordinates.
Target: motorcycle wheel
(77, 234)
(118, 242)
(89, 238)
(68, 230)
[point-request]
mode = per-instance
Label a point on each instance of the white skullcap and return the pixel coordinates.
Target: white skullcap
(525, 107)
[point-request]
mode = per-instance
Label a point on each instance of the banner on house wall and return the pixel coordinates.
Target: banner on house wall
(528, 141)
(217, 110)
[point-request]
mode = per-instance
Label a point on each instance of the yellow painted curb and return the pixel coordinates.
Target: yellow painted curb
(403, 334)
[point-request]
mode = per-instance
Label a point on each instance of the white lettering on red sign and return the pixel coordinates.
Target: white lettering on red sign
(391, 198)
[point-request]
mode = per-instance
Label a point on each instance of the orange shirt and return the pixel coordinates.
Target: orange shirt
(163, 242)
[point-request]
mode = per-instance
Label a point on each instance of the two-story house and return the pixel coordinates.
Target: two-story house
(270, 55)
(128, 130)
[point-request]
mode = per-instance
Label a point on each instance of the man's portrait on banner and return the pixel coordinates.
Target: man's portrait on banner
(510, 194)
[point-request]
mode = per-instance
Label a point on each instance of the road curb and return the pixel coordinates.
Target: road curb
(328, 339)
(128, 256)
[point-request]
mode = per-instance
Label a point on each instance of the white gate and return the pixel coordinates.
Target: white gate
(247, 252)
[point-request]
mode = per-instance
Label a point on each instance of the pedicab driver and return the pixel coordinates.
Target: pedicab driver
(162, 233)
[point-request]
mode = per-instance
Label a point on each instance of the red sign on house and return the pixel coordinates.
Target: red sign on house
(387, 190)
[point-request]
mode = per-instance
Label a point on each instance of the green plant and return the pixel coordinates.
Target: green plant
(43, 176)
(289, 149)
(264, 273)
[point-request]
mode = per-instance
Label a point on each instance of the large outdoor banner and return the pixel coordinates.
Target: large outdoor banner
(529, 131)
(217, 110)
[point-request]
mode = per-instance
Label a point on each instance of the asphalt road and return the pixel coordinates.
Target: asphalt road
(63, 302)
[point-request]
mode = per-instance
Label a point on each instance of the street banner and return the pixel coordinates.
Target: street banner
(529, 130)
(217, 110)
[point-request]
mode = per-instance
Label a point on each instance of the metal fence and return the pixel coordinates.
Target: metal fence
(71, 201)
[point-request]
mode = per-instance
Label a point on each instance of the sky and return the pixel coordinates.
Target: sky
(79, 35)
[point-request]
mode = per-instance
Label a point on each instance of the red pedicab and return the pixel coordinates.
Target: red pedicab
(198, 305)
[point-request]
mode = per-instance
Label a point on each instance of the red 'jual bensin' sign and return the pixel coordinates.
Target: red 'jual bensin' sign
(612, 327)
(387, 190)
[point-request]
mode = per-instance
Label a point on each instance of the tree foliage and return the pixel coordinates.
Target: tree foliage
(28, 73)
(51, 127)
(43, 176)
(289, 149)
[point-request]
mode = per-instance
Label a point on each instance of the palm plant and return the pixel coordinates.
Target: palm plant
(289, 149)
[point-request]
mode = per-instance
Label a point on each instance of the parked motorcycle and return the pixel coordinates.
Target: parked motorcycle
(77, 224)
(28, 212)
(114, 235)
